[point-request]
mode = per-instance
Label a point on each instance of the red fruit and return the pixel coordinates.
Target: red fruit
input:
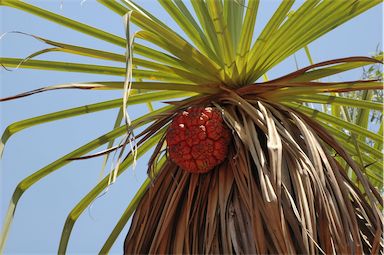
(198, 139)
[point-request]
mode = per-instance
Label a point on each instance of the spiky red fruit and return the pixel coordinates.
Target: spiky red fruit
(198, 139)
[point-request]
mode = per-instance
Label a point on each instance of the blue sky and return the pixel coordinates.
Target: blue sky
(43, 208)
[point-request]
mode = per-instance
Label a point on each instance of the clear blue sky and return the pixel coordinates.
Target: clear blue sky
(43, 209)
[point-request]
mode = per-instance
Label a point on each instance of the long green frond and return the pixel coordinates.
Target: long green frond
(338, 100)
(185, 20)
(328, 71)
(319, 18)
(26, 183)
(215, 9)
(268, 31)
(102, 185)
(75, 25)
(69, 113)
(202, 14)
(246, 35)
(129, 211)
(87, 68)
(335, 121)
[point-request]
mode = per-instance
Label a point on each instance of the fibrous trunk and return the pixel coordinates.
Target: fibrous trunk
(282, 189)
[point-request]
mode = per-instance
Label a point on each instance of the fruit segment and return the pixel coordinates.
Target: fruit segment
(198, 139)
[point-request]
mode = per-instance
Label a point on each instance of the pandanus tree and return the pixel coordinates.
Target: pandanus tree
(241, 164)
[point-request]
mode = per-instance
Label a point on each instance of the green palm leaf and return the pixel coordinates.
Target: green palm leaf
(219, 62)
